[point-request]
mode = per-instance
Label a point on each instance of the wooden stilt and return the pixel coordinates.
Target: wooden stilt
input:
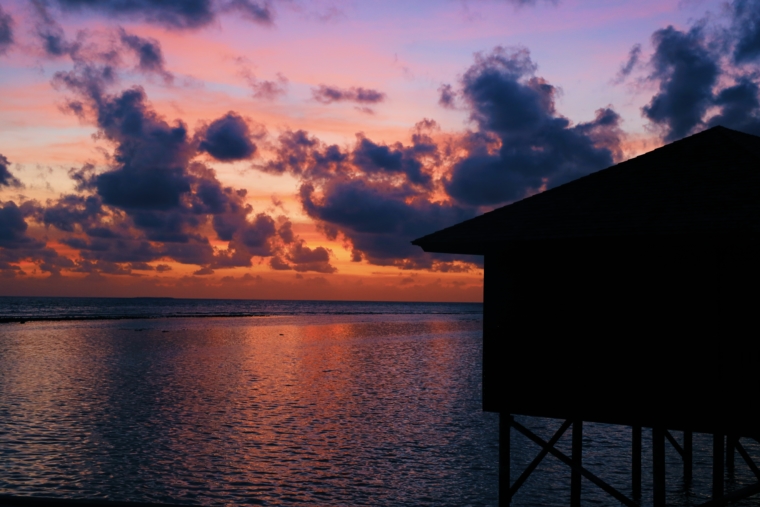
(575, 474)
(730, 448)
(505, 426)
(717, 465)
(688, 457)
(658, 466)
(636, 462)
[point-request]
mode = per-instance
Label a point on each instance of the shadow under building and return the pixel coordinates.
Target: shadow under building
(628, 296)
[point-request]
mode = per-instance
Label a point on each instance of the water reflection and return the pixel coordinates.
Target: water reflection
(332, 411)
(267, 411)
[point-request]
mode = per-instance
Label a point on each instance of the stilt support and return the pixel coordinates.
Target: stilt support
(505, 426)
(575, 474)
(688, 457)
(730, 448)
(541, 455)
(718, 445)
(617, 495)
(658, 466)
(636, 462)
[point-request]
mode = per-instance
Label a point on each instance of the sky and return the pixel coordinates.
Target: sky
(292, 149)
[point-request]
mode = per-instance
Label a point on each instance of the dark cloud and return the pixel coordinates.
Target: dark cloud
(149, 54)
(447, 96)
(634, 56)
(228, 139)
(256, 235)
(687, 72)
(310, 259)
(13, 228)
(169, 13)
(98, 267)
(6, 31)
(152, 156)
(258, 12)
(379, 219)
(299, 154)
(739, 107)
(329, 94)
(6, 178)
(707, 75)
(156, 201)
(522, 145)
(301, 258)
(54, 42)
(378, 196)
(175, 14)
(278, 264)
(16, 245)
(373, 158)
(746, 29)
(286, 232)
(73, 210)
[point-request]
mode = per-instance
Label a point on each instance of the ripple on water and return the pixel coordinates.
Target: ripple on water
(335, 410)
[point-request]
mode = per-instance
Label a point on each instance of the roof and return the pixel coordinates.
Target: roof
(705, 184)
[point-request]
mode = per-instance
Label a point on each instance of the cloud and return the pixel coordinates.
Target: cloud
(447, 96)
(310, 259)
(686, 72)
(329, 94)
(378, 196)
(374, 158)
(6, 178)
(17, 246)
(269, 90)
(156, 201)
(6, 31)
(228, 139)
(13, 228)
(634, 56)
(149, 54)
(72, 210)
(522, 144)
(379, 219)
(258, 12)
(707, 75)
(171, 14)
(263, 89)
(50, 32)
(746, 29)
(299, 154)
(739, 107)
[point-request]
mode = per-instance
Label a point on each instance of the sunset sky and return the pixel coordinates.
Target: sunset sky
(292, 149)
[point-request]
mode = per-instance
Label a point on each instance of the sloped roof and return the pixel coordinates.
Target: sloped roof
(705, 184)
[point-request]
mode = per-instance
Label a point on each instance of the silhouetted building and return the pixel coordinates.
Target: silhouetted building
(629, 296)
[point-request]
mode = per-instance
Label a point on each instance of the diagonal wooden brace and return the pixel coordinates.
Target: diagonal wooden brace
(566, 460)
(747, 459)
(674, 442)
(541, 455)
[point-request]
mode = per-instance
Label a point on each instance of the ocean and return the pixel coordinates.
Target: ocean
(277, 403)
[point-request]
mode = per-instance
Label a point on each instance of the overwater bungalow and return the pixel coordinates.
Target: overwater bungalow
(628, 296)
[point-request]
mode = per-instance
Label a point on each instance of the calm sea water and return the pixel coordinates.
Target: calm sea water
(322, 403)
